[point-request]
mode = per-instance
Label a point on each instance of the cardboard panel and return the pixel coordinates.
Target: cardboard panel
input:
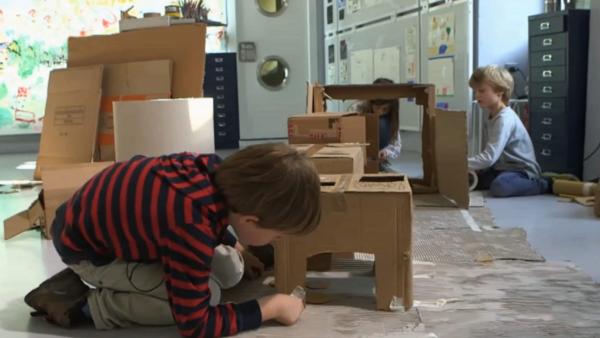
(326, 128)
(183, 44)
(126, 82)
(62, 181)
(451, 156)
(71, 117)
(597, 205)
(158, 127)
(24, 220)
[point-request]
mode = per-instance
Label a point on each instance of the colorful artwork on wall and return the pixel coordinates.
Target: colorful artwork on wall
(33, 41)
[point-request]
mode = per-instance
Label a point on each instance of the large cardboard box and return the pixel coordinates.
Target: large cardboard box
(60, 182)
(71, 117)
(182, 44)
(444, 134)
(342, 158)
(365, 213)
(125, 82)
(326, 128)
(158, 127)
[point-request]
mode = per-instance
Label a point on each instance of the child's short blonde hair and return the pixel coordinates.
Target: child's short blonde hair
(497, 77)
(274, 182)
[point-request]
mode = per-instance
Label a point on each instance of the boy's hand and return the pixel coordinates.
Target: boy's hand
(383, 155)
(253, 267)
(285, 309)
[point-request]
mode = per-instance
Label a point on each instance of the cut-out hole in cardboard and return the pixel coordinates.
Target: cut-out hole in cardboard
(382, 179)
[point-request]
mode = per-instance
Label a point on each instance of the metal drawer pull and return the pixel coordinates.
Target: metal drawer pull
(219, 69)
(219, 60)
(220, 106)
(547, 105)
(220, 97)
(544, 26)
(221, 116)
(220, 88)
(547, 42)
(547, 89)
(547, 73)
(546, 152)
(547, 57)
(547, 121)
(547, 137)
(221, 124)
(222, 133)
(220, 78)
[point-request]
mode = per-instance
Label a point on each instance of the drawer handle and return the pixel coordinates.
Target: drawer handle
(547, 137)
(547, 89)
(547, 57)
(221, 124)
(544, 26)
(547, 73)
(220, 106)
(222, 133)
(220, 78)
(219, 60)
(547, 42)
(546, 152)
(219, 69)
(220, 88)
(221, 116)
(547, 121)
(220, 97)
(546, 105)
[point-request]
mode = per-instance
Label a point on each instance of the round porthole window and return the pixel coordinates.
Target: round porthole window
(272, 7)
(273, 73)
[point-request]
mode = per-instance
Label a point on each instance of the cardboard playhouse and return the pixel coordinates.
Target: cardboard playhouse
(141, 65)
(444, 133)
(365, 213)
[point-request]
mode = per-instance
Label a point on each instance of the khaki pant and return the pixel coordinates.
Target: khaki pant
(129, 294)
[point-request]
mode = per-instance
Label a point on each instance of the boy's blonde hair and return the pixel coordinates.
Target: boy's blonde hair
(275, 183)
(497, 77)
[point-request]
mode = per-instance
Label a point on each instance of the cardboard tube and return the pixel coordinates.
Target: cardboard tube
(572, 188)
(473, 180)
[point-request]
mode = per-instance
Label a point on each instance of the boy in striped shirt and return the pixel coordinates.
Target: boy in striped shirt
(151, 234)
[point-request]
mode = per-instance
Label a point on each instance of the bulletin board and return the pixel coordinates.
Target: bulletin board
(33, 41)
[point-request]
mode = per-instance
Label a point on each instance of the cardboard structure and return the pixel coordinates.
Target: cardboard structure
(158, 127)
(597, 205)
(366, 213)
(326, 128)
(24, 220)
(125, 82)
(182, 44)
(71, 116)
(60, 183)
(444, 134)
(340, 158)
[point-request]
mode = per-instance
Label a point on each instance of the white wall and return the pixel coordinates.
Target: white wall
(592, 134)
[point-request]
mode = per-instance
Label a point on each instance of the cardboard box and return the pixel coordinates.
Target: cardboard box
(144, 23)
(444, 134)
(364, 213)
(182, 44)
(597, 205)
(71, 117)
(342, 158)
(31, 218)
(158, 127)
(61, 182)
(326, 128)
(125, 82)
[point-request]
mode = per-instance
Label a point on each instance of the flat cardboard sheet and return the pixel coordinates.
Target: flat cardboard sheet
(182, 44)
(24, 220)
(326, 128)
(158, 127)
(71, 120)
(335, 158)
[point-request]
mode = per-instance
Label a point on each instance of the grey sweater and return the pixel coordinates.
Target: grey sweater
(508, 148)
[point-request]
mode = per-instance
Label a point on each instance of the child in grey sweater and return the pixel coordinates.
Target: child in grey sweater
(507, 166)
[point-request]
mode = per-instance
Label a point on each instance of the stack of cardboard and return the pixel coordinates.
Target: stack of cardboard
(157, 63)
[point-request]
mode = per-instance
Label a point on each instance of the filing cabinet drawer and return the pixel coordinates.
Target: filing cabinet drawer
(547, 106)
(546, 121)
(558, 89)
(218, 79)
(549, 74)
(549, 58)
(551, 158)
(547, 25)
(548, 42)
(548, 135)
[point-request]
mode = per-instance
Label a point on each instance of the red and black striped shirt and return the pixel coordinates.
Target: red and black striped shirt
(163, 209)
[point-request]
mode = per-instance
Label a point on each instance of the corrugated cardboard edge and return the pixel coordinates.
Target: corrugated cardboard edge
(25, 220)
(451, 156)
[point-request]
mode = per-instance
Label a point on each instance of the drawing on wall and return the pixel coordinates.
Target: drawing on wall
(354, 6)
(441, 35)
(411, 67)
(440, 72)
(386, 63)
(410, 39)
(361, 66)
(33, 41)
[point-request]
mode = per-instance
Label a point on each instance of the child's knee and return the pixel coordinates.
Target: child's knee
(500, 188)
(227, 266)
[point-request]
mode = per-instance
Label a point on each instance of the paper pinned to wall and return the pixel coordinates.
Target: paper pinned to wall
(411, 67)
(411, 39)
(354, 6)
(441, 74)
(361, 67)
(441, 38)
(386, 63)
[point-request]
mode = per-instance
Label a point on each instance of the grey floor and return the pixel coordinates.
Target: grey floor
(561, 232)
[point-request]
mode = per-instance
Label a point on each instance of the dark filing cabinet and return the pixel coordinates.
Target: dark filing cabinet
(220, 83)
(558, 59)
